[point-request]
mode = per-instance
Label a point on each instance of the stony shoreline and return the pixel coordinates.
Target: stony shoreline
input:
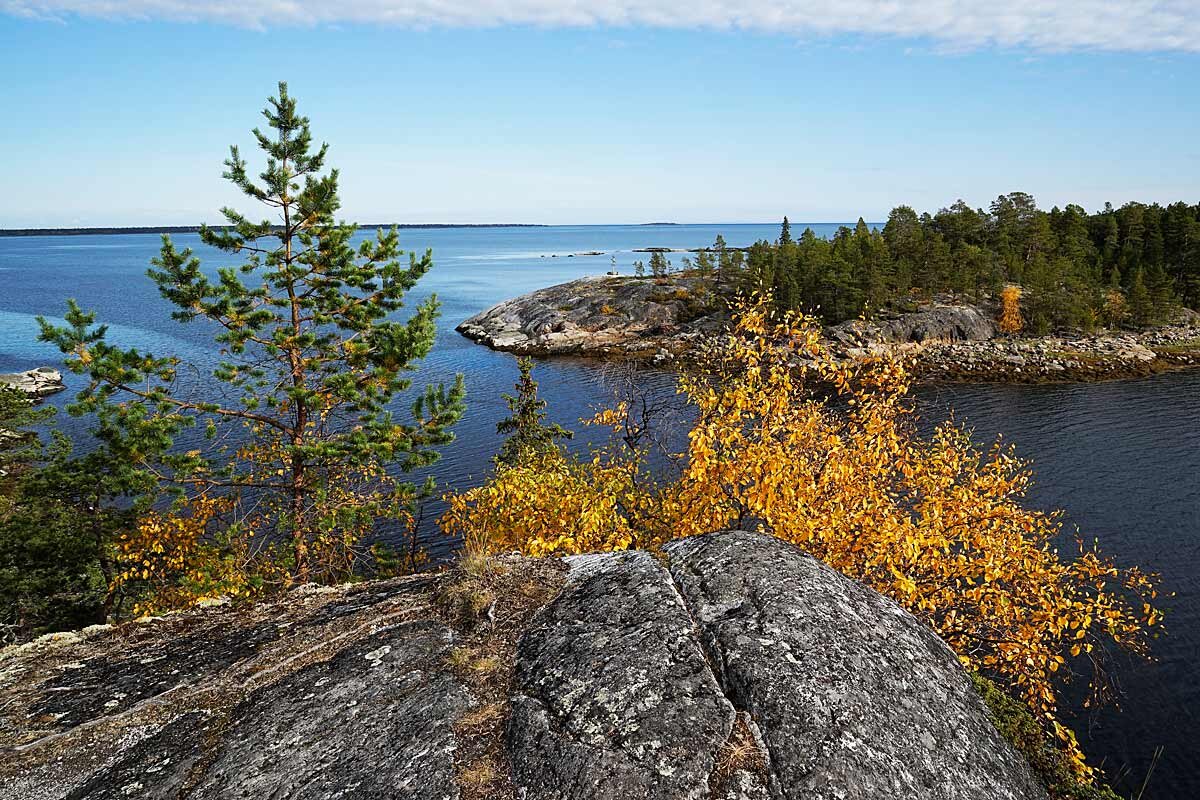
(1054, 359)
(662, 320)
(36, 383)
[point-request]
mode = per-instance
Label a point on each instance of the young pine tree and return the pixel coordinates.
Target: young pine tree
(1141, 304)
(659, 266)
(19, 445)
(527, 429)
(298, 408)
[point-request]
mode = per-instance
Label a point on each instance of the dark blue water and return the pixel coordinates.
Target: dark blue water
(1122, 458)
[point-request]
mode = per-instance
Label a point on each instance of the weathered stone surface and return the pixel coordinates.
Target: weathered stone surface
(614, 698)
(40, 382)
(597, 316)
(854, 698)
(939, 323)
(341, 693)
(744, 670)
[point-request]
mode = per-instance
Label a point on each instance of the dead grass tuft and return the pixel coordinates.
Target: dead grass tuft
(489, 601)
(741, 752)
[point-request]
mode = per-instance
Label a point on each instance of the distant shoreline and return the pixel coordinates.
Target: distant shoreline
(196, 228)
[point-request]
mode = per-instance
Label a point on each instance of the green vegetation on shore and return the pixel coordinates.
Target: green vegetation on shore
(1132, 265)
(300, 456)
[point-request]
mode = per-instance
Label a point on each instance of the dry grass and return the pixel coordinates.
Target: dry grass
(478, 776)
(741, 752)
(489, 603)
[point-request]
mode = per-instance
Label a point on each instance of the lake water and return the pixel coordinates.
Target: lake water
(1123, 459)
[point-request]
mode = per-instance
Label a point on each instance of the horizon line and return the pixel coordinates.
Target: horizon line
(116, 230)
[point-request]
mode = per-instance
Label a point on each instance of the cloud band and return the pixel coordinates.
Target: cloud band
(1043, 25)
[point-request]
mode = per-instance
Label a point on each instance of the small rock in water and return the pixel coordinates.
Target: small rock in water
(37, 383)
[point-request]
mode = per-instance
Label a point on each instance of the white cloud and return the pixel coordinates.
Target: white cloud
(1043, 25)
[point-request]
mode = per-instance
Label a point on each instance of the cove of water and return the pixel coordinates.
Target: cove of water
(1122, 458)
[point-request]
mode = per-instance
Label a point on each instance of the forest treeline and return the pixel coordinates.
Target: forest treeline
(1133, 265)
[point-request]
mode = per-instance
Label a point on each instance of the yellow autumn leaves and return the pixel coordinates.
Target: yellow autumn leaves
(822, 453)
(240, 544)
(1010, 309)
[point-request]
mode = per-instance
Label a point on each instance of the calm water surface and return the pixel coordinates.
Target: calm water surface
(1122, 458)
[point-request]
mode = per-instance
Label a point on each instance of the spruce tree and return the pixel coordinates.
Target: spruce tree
(298, 409)
(1141, 305)
(785, 232)
(527, 430)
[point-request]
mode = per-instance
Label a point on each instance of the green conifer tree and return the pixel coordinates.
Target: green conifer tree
(298, 407)
(1141, 305)
(527, 430)
(658, 264)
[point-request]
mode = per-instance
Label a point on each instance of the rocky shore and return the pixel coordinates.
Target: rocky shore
(604, 316)
(37, 383)
(663, 319)
(1063, 358)
(732, 666)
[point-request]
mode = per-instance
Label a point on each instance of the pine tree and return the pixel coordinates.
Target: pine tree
(785, 232)
(658, 264)
(1141, 306)
(527, 430)
(19, 443)
(60, 516)
(725, 266)
(298, 409)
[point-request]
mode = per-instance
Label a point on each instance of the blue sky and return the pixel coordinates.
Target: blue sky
(115, 117)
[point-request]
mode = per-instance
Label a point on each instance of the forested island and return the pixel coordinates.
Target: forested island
(1012, 292)
(1133, 265)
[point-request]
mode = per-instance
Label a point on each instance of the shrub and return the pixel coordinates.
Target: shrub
(820, 452)
(1010, 310)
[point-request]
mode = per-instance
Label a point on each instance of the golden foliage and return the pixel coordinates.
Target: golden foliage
(243, 544)
(1115, 310)
(1010, 309)
(180, 558)
(550, 504)
(821, 452)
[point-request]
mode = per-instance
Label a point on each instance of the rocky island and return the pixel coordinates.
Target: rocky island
(734, 667)
(662, 319)
(37, 383)
(604, 316)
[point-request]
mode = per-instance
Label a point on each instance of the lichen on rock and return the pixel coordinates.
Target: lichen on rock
(733, 667)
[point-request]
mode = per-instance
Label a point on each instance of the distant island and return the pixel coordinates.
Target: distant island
(196, 228)
(1010, 293)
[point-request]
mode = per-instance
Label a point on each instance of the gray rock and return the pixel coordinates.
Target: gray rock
(745, 671)
(853, 696)
(38, 383)
(940, 323)
(594, 316)
(613, 696)
(337, 694)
